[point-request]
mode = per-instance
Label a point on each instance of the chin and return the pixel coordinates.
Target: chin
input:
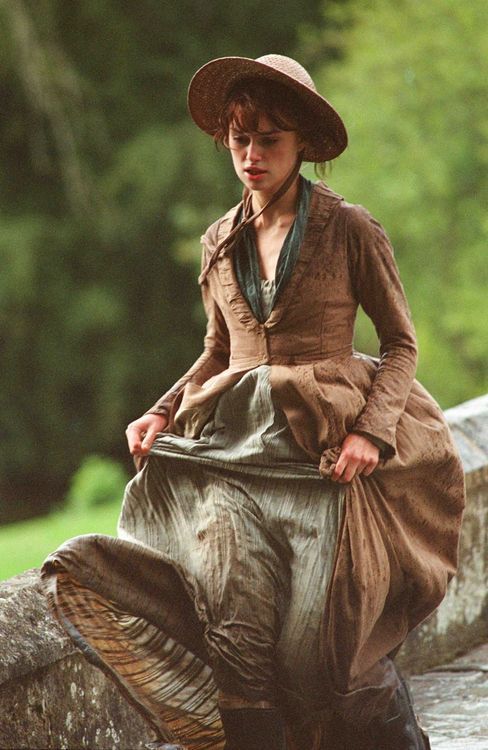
(259, 185)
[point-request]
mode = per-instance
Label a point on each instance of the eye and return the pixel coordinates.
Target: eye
(240, 140)
(268, 140)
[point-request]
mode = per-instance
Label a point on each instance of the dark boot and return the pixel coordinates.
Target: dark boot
(345, 735)
(253, 729)
(399, 729)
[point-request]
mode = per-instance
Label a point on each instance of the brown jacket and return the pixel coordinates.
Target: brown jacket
(397, 546)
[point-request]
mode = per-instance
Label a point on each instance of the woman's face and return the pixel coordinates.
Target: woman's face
(263, 159)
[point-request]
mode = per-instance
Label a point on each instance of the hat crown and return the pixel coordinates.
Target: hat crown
(289, 67)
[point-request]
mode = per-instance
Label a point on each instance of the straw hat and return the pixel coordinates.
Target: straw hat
(212, 83)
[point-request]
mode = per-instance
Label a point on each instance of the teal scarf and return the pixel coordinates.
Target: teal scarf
(246, 264)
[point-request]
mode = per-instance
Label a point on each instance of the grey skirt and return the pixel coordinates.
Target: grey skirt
(248, 527)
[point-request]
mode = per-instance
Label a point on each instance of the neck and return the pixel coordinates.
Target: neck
(284, 206)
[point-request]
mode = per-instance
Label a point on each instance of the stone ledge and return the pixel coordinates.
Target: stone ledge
(35, 639)
(50, 696)
(461, 621)
(469, 426)
(452, 702)
(68, 704)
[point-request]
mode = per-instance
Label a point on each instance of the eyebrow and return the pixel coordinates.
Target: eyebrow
(258, 132)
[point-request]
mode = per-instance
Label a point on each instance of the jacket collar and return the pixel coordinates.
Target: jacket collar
(322, 203)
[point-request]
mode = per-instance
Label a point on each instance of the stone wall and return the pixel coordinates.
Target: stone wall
(462, 619)
(51, 698)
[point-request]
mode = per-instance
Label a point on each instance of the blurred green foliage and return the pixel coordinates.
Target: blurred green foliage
(413, 90)
(106, 186)
(98, 481)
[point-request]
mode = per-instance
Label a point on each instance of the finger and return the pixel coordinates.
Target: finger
(149, 439)
(133, 429)
(370, 467)
(134, 436)
(350, 471)
(331, 475)
(362, 464)
(339, 468)
(341, 465)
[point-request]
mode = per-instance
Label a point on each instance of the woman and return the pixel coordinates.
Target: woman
(299, 505)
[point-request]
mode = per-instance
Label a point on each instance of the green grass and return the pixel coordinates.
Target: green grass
(25, 544)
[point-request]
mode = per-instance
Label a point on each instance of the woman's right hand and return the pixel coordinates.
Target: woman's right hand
(142, 432)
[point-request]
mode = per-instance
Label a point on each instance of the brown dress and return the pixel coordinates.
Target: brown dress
(397, 541)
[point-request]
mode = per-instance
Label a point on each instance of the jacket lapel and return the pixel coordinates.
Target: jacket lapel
(227, 277)
(322, 202)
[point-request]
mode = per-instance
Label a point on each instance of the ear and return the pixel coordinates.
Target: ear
(301, 143)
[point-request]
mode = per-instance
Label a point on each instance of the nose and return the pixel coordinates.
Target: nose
(253, 152)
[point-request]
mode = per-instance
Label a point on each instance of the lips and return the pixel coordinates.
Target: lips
(254, 171)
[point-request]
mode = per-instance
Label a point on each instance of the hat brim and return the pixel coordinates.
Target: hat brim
(210, 86)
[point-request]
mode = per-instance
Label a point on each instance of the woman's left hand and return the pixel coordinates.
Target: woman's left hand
(358, 456)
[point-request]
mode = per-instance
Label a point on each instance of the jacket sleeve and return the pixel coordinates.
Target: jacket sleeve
(214, 358)
(379, 291)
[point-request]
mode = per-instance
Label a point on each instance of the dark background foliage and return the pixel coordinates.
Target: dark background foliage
(106, 186)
